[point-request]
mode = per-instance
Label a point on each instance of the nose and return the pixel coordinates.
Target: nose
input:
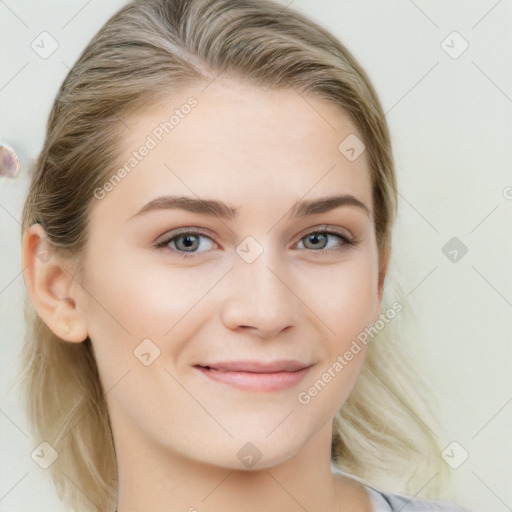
(260, 299)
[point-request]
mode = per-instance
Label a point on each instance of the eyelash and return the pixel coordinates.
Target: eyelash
(192, 231)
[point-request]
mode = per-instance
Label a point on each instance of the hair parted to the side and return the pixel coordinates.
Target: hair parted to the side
(143, 53)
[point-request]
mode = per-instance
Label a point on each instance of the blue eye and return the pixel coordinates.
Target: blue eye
(318, 241)
(187, 242)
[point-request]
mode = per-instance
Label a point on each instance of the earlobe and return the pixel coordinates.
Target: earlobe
(51, 286)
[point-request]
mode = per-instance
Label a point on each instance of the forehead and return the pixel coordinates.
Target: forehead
(240, 142)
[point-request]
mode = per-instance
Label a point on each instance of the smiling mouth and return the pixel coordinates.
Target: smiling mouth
(250, 365)
(256, 376)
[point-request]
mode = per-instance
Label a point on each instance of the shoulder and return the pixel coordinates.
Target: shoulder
(382, 501)
(389, 502)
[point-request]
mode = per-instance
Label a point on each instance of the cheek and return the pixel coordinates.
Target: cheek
(345, 297)
(350, 311)
(145, 297)
(129, 299)
(346, 303)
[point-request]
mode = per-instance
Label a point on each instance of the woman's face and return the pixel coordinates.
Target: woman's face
(270, 273)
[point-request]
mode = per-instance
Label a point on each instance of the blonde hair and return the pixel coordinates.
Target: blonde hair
(146, 50)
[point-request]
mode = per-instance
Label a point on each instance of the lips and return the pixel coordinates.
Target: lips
(256, 375)
(287, 365)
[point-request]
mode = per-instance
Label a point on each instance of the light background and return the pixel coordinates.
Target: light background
(451, 125)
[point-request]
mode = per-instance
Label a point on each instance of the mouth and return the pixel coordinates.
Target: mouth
(255, 375)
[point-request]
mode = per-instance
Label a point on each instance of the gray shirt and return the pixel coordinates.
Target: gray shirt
(389, 502)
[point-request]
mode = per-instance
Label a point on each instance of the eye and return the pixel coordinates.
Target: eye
(325, 240)
(189, 241)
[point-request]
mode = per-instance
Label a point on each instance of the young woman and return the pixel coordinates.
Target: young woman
(206, 240)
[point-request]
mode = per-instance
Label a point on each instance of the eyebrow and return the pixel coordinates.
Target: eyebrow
(222, 210)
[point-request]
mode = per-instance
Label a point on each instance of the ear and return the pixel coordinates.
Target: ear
(51, 286)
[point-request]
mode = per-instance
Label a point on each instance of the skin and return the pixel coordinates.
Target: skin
(176, 432)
